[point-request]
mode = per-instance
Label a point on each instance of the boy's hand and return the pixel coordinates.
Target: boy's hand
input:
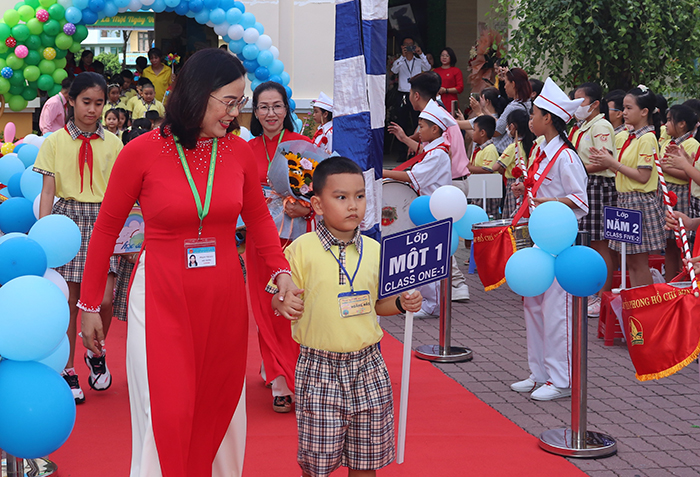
(695, 262)
(518, 189)
(411, 301)
(289, 305)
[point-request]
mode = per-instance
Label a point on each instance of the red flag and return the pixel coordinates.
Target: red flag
(493, 247)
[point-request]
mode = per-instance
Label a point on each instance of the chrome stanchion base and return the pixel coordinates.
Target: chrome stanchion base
(558, 441)
(455, 354)
(32, 467)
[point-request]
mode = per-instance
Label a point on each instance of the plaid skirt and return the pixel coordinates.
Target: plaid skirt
(121, 287)
(510, 205)
(682, 191)
(653, 233)
(601, 192)
(84, 214)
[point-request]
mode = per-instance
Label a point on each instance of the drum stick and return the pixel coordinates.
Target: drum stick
(686, 251)
(405, 378)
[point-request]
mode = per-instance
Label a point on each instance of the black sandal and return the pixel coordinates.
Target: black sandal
(282, 404)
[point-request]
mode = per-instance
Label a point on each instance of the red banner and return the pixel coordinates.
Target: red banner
(662, 329)
(492, 248)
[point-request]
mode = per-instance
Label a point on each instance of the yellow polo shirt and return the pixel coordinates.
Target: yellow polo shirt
(664, 137)
(139, 109)
(487, 157)
(691, 146)
(640, 153)
(58, 156)
(507, 159)
(598, 133)
(108, 106)
(316, 272)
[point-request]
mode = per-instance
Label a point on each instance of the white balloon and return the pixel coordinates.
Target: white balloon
(210, 24)
(31, 139)
(222, 28)
(56, 278)
(251, 35)
(275, 52)
(448, 201)
(11, 235)
(245, 133)
(264, 42)
(148, 3)
(65, 3)
(235, 32)
(135, 5)
(122, 10)
(37, 200)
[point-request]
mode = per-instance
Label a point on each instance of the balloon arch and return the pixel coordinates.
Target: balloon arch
(36, 34)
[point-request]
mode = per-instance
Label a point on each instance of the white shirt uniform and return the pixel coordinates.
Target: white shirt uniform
(548, 316)
(408, 69)
(434, 170)
(327, 133)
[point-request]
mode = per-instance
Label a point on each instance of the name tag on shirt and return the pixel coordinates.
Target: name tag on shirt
(354, 303)
(200, 253)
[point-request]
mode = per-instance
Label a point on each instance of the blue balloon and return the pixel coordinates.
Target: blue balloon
(530, 271)
(217, 16)
(89, 17)
(73, 15)
(60, 238)
(211, 4)
(158, 6)
(454, 242)
(276, 68)
(202, 17)
(196, 5)
(247, 20)
(236, 46)
(240, 6)
(251, 66)
(33, 319)
(18, 147)
(110, 9)
(182, 8)
(285, 78)
(14, 187)
(96, 5)
(419, 211)
(31, 184)
(287, 89)
(259, 26)
(251, 76)
(276, 79)
(292, 104)
(190, 14)
(121, 3)
(226, 38)
(9, 166)
(226, 4)
(20, 256)
(553, 227)
(265, 58)
(27, 154)
(581, 271)
(35, 424)
(16, 215)
(11, 235)
(233, 15)
(473, 215)
(261, 73)
(59, 357)
(254, 84)
(81, 4)
(250, 52)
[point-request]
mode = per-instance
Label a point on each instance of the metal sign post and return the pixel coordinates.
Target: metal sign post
(15, 467)
(578, 441)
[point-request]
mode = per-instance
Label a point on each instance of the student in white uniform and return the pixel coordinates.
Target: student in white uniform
(430, 173)
(559, 175)
(323, 115)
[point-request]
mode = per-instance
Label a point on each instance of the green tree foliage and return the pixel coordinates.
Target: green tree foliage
(619, 43)
(111, 61)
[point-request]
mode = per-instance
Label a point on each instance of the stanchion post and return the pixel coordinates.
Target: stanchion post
(15, 466)
(578, 441)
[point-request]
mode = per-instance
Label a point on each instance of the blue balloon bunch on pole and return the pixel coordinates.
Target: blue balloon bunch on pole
(581, 271)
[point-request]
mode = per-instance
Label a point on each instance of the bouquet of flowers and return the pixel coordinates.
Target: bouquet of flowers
(292, 169)
(172, 59)
(301, 174)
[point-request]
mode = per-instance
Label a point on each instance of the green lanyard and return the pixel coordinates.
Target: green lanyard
(201, 211)
(269, 161)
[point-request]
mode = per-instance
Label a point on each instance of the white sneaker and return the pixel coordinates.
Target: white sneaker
(594, 307)
(72, 380)
(526, 386)
(423, 314)
(460, 293)
(549, 392)
(100, 378)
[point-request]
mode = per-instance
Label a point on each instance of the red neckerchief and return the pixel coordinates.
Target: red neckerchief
(578, 138)
(319, 131)
(84, 155)
(573, 131)
(697, 156)
(419, 157)
(628, 141)
(524, 210)
(477, 148)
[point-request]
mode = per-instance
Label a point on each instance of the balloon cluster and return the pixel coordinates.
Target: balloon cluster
(447, 202)
(580, 270)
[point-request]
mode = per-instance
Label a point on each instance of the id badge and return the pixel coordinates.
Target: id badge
(200, 253)
(354, 303)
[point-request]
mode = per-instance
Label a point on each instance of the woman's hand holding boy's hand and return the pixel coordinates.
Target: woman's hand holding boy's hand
(287, 302)
(411, 301)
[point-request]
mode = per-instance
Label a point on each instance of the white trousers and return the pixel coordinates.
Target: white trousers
(548, 327)
(431, 298)
(144, 455)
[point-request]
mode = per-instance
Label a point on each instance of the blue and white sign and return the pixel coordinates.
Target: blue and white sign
(623, 225)
(415, 257)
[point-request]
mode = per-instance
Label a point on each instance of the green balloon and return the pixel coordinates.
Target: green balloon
(33, 43)
(17, 79)
(33, 58)
(52, 27)
(5, 32)
(47, 67)
(32, 3)
(29, 93)
(14, 62)
(2, 63)
(59, 75)
(16, 89)
(75, 47)
(46, 82)
(57, 12)
(20, 32)
(4, 50)
(55, 90)
(26, 13)
(81, 32)
(32, 73)
(4, 86)
(35, 26)
(18, 4)
(60, 54)
(63, 41)
(33, 84)
(47, 40)
(17, 102)
(11, 17)
(60, 63)
(47, 3)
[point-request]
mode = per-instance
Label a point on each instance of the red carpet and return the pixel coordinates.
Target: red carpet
(450, 431)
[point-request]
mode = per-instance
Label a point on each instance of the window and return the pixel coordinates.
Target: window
(145, 40)
(110, 33)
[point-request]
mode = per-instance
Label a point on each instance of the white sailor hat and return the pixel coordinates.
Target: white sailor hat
(554, 100)
(324, 102)
(435, 114)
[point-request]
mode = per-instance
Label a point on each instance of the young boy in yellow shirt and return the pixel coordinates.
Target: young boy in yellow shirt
(148, 102)
(344, 403)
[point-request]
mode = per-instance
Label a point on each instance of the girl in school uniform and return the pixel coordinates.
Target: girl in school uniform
(76, 162)
(637, 181)
(596, 132)
(323, 116)
(114, 100)
(111, 122)
(558, 175)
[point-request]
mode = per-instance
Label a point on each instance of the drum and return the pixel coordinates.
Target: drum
(520, 231)
(396, 200)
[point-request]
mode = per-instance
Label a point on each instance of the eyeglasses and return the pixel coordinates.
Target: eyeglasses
(276, 109)
(233, 105)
